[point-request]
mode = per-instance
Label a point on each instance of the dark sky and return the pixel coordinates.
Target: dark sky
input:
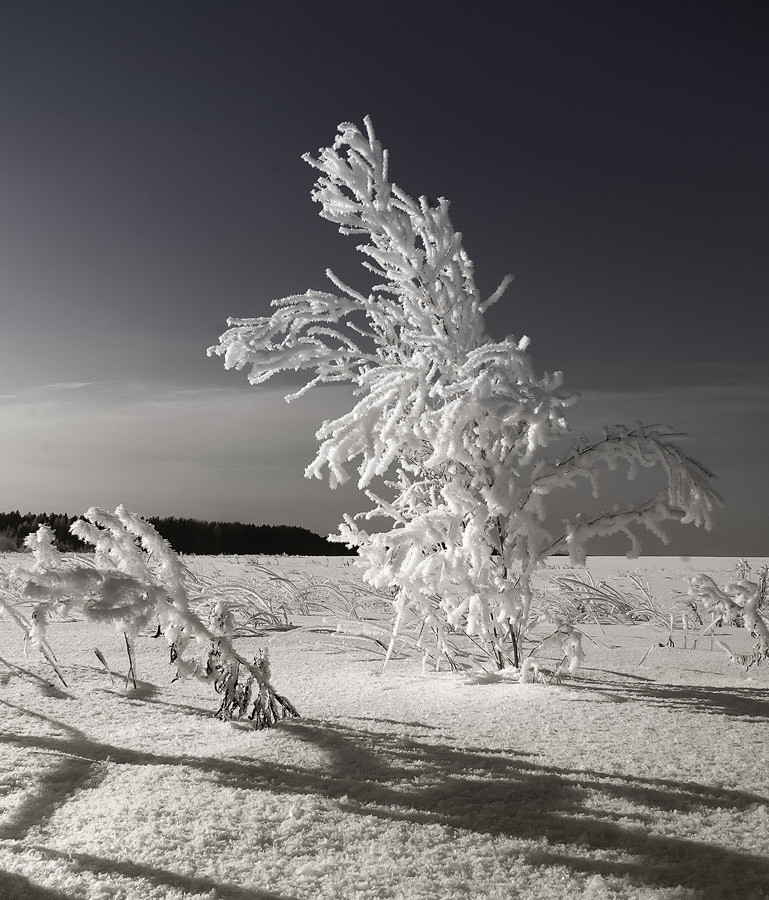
(612, 156)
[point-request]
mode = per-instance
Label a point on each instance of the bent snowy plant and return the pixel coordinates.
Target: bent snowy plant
(135, 581)
(734, 603)
(450, 430)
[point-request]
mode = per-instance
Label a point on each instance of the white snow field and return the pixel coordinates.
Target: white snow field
(645, 776)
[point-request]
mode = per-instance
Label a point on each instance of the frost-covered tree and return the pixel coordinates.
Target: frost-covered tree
(450, 430)
(134, 581)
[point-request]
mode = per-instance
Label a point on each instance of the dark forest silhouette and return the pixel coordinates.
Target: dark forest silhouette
(184, 535)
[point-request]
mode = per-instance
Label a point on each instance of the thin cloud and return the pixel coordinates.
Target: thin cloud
(240, 452)
(66, 386)
(169, 450)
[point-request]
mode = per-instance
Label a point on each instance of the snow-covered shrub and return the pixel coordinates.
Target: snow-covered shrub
(450, 430)
(32, 629)
(734, 603)
(134, 581)
(761, 577)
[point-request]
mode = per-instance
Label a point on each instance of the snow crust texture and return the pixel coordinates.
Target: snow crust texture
(640, 781)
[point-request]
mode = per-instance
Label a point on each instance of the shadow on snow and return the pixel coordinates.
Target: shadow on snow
(737, 702)
(496, 793)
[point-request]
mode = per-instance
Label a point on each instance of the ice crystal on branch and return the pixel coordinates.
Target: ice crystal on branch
(450, 429)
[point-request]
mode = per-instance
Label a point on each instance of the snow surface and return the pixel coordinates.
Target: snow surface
(647, 776)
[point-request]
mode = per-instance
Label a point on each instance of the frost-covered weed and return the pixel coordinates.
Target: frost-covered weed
(33, 625)
(252, 603)
(734, 603)
(135, 581)
(579, 599)
(266, 598)
(450, 430)
(745, 573)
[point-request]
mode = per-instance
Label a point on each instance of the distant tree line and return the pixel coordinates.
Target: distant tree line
(15, 526)
(214, 538)
(184, 535)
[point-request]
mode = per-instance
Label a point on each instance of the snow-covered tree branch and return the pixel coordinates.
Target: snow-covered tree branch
(453, 427)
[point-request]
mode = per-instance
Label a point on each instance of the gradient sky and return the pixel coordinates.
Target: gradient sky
(612, 156)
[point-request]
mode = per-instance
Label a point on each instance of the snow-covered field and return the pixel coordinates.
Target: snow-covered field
(647, 776)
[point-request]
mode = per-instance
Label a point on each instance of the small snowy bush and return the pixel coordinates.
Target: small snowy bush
(761, 577)
(734, 603)
(134, 581)
(450, 430)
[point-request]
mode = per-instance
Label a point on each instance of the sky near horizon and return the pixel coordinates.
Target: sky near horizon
(612, 158)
